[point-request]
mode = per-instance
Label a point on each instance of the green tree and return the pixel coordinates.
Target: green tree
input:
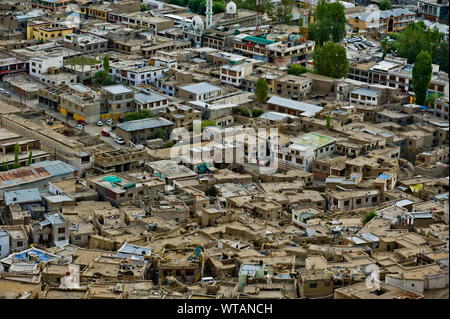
(30, 158)
(218, 7)
(421, 76)
(369, 216)
(385, 5)
(329, 23)
(4, 167)
(297, 69)
(257, 112)
(329, 122)
(144, 7)
(206, 123)
(138, 115)
(241, 111)
(330, 60)
(441, 56)
(193, 5)
(159, 133)
(431, 99)
(16, 155)
(282, 12)
(261, 90)
(102, 77)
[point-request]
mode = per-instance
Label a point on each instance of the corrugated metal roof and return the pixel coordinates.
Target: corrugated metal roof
(366, 92)
(22, 196)
(145, 98)
(144, 124)
(296, 105)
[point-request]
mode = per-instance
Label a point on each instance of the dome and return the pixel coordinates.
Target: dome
(231, 7)
(197, 22)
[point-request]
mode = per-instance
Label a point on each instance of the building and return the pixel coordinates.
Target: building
(53, 229)
(291, 107)
(139, 131)
(48, 70)
(119, 99)
(386, 21)
(118, 160)
(136, 72)
(150, 100)
(12, 65)
(199, 91)
(349, 200)
(369, 97)
(4, 244)
(315, 283)
(52, 5)
(27, 199)
(290, 51)
(82, 103)
(253, 47)
(300, 152)
(117, 189)
(440, 108)
(85, 43)
(433, 10)
(292, 87)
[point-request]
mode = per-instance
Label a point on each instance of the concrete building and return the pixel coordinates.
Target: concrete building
(199, 91)
(119, 99)
(85, 43)
(139, 131)
(291, 107)
(4, 244)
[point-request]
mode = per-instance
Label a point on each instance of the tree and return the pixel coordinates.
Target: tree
(330, 60)
(283, 11)
(138, 115)
(206, 123)
(102, 77)
(218, 7)
(431, 99)
(4, 167)
(30, 158)
(385, 5)
(441, 56)
(329, 122)
(159, 133)
(144, 7)
(329, 23)
(261, 90)
(297, 69)
(369, 216)
(241, 111)
(193, 5)
(257, 112)
(421, 76)
(16, 155)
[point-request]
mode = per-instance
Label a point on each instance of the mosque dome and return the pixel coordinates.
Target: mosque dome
(231, 7)
(197, 22)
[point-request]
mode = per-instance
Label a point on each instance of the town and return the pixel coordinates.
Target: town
(224, 149)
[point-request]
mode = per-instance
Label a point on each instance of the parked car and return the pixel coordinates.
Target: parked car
(79, 126)
(370, 44)
(4, 92)
(81, 122)
(99, 123)
(109, 122)
(105, 133)
(119, 140)
(207, 280)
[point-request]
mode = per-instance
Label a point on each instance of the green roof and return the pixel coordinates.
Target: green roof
(258, 40)
(112, 179)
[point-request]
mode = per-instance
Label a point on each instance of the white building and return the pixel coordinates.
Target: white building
(136, 72)
(364, 96)
(199, 91)
(4, 244)
(234, 73)
(48, 70)
(300, 152)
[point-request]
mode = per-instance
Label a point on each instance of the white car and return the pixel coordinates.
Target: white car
(207, 280)
(99, 123)
(109, 121)
(119, 140)
(79, 126)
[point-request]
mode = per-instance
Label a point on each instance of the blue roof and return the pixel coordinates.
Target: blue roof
(384, 176)
(43, 256)
(22, 196)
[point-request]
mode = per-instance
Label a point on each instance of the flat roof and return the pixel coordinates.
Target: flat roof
(313, 140)
(201, 88)
(117, 89)
(144, 124)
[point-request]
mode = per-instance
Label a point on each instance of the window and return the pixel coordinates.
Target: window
(358, 201)
(61, 230)
(346, 203)
(62, 238)
(19, 244)
(313, 285)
